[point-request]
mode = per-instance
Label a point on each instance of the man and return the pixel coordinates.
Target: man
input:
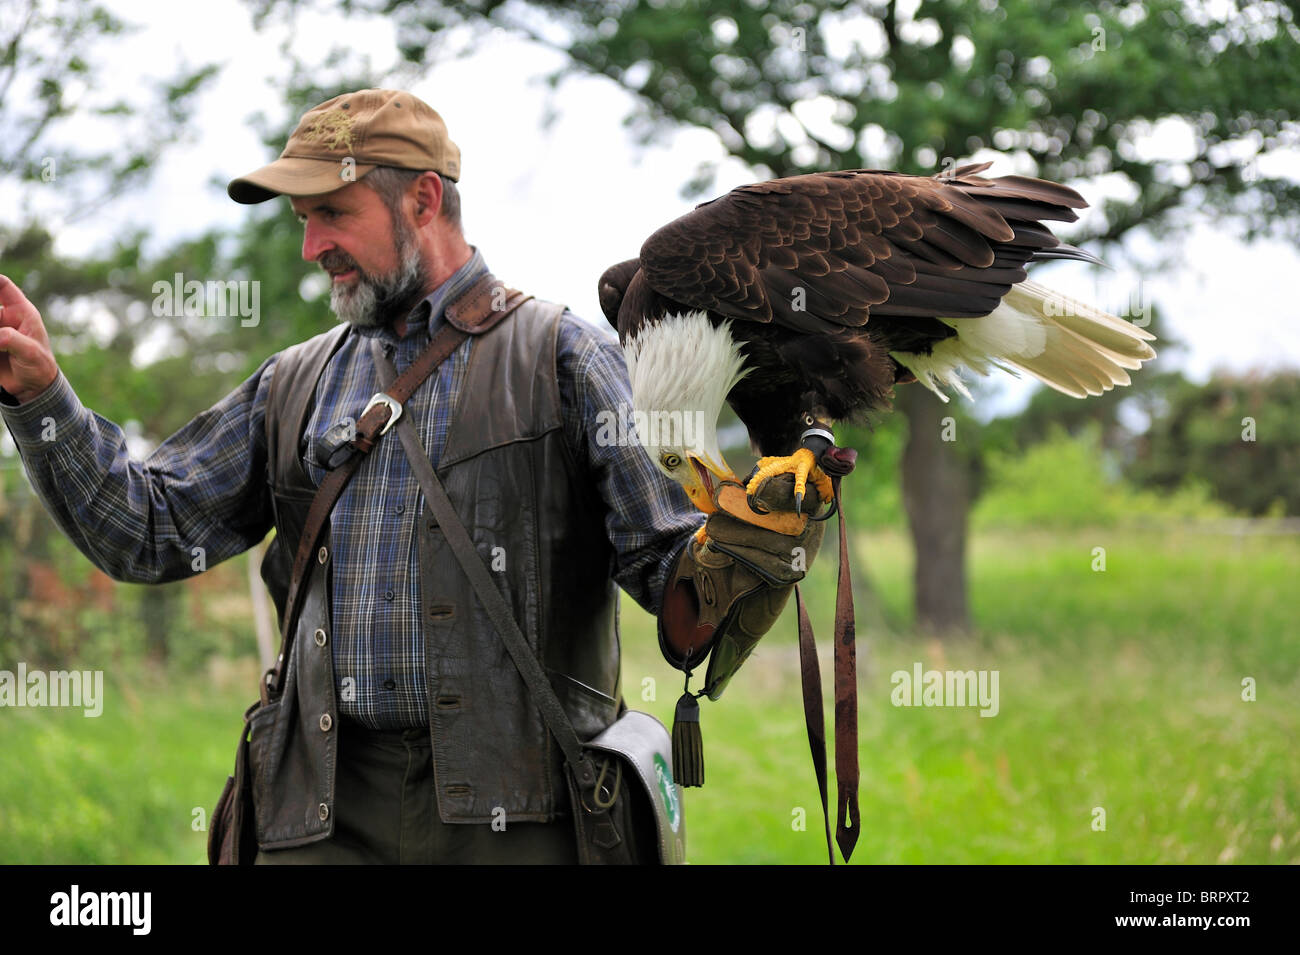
(402, 730)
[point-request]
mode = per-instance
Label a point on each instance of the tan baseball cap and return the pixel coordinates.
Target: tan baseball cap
(344, 138)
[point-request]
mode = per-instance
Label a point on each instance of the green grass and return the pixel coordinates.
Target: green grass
(123, 786)
(1118, 689)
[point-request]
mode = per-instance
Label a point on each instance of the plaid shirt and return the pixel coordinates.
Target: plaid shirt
(199, 499)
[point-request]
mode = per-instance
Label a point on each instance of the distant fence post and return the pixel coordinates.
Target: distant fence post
(261, 607)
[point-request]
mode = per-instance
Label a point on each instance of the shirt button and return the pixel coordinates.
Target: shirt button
(322, 555)
(326, 721)
(323, 811)
(390, 684)
(388, 595)
(320, 638)
(399, 509)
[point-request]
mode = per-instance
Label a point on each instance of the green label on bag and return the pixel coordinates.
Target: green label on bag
(668, 791)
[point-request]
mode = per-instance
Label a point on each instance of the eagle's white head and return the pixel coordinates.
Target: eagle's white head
(682, 368)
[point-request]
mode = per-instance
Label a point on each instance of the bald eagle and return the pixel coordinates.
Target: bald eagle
(807, 299)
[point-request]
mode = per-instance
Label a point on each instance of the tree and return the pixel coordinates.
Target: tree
(1240, 434)
(1068, 89)
(49, 80)
(111, 316)
(50, 97)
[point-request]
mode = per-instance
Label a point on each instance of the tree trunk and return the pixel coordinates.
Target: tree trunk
(936, 494)
(158, 609)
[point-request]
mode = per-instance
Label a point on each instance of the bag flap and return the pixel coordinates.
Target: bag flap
(647, 748)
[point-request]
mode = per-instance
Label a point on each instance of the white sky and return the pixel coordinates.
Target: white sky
(552, 209)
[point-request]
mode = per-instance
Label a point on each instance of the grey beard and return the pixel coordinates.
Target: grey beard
(374, 301)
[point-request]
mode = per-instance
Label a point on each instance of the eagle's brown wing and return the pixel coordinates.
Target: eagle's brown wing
(822, 251)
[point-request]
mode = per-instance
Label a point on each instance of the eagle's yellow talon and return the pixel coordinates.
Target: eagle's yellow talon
(823, 484)
(700, 537)
(802, 464)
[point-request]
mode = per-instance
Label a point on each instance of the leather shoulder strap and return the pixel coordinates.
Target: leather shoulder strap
(484, 305)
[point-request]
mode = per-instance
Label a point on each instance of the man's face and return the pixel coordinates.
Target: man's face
(372, 257)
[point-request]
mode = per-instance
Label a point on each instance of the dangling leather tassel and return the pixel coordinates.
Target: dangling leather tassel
(688, 745)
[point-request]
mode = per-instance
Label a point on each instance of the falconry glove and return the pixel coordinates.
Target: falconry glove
(743, 575)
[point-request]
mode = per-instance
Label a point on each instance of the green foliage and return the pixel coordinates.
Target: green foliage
(1068, 86)
(872, 495)
(1071, 481)
(127, 786)
(1238, 434)
(50, 73)
(59, 611)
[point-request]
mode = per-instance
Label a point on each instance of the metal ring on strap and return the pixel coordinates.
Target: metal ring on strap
(603, 804)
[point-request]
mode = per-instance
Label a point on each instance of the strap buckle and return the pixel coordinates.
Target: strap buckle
(394, 406)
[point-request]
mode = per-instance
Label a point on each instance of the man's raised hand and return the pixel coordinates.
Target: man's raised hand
(27, 365)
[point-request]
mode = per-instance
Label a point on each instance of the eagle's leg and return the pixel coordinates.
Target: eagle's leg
(817, 457)
(831, 458)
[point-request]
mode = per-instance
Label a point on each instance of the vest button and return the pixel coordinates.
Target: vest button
(323, 811)
(326, 721)
(389, 595)
(322, 555)
(320, 638)
(399, 509)
(390, 684)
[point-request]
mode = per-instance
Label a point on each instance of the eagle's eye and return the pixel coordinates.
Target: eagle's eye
(670, 461)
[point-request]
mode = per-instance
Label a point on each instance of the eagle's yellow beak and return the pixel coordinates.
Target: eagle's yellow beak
(702, 484)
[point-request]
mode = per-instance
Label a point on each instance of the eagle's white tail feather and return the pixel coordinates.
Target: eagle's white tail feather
(1066, 344)
(1118, 359)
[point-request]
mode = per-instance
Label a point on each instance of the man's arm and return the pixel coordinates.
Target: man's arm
(200, 498)
(651, 525)
(649, 519)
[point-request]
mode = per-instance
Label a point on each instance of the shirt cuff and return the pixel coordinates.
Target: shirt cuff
(37, 423)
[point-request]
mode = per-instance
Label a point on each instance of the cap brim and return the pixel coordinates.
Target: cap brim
(292, 176)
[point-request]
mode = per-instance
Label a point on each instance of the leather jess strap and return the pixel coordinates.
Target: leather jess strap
(480, 308)
(847, 819)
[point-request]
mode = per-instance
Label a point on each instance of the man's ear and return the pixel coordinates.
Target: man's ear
(428, 198)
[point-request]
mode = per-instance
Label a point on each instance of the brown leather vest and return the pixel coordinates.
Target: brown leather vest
(508, 471)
